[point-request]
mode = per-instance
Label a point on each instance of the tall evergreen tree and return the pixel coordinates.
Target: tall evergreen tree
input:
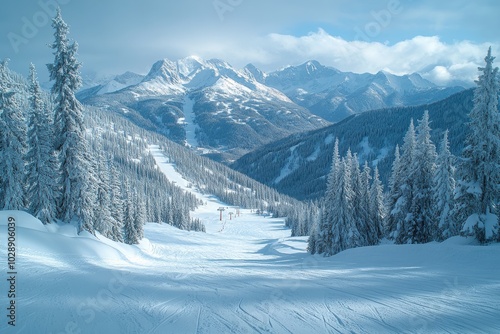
(420, 224)
(42, 162)
(407, 188)
(13, 144)
(313, 246)
(377, 205)
(76, 200)
(478, 187)
(345, 231)
(103, 220)
(139, 216)
(313, 233)
(116, 202)
(359, 210)
(400, 213)
(372, 236)
(395, 183)
(324, 237)
(443, 189)
(130, 235)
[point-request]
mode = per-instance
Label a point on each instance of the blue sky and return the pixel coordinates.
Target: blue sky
(442, 40)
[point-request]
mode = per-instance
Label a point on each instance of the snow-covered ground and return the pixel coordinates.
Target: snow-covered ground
(244, 275)
(247, 277)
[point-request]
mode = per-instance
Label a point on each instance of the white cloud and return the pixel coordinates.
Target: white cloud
(439, 74)
(438, 61)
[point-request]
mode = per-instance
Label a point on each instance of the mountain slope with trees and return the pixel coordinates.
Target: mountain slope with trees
(68, 163)
(298, 165)
(423, 203)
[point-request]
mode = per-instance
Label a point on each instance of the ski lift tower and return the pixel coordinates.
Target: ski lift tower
(221, 209)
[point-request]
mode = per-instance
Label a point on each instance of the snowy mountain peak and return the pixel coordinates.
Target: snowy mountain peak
(308, 68)
(384, 78)
(255, 73)
(402, 83)
(420, 82)
(190, 66)
(219, 63)
(312, 66)
(162, 79)
(297, 76)
(165, 70)
(383, 75)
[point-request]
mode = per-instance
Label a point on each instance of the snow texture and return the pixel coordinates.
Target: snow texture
(245, 276)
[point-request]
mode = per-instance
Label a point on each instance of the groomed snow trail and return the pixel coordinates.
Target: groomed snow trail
(244, 276)
(190, 126)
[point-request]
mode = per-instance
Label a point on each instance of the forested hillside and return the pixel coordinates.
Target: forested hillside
(297, 165)
(210, 177)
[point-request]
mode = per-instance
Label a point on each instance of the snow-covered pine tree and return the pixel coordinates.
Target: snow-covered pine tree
(41, 159)
(312, 245)
(477, 194)
(197, 226)
(3, 138)
(300, 224)
(312, 216)
(168, 212)
(116, 202)
(103, 220)
(372, 236)
(324, 236)
(395, 183)
(377, 205)
(359, 213)
(344, 229)
(421, 224)
(443, 189)
(139, 215)
(76, 200)
(13, 145)
(403, 205)
(401, 187)
(156, 210)
(180, 216)
(130, 235)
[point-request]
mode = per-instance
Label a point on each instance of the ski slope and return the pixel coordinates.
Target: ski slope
(189, 117)
(244, 275)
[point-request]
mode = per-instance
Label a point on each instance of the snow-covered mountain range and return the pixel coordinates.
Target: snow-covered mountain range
(335, 95)
(225, 112)
(207, 105)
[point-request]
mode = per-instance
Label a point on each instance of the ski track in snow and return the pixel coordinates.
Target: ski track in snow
(249, 277)
(191, 127)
